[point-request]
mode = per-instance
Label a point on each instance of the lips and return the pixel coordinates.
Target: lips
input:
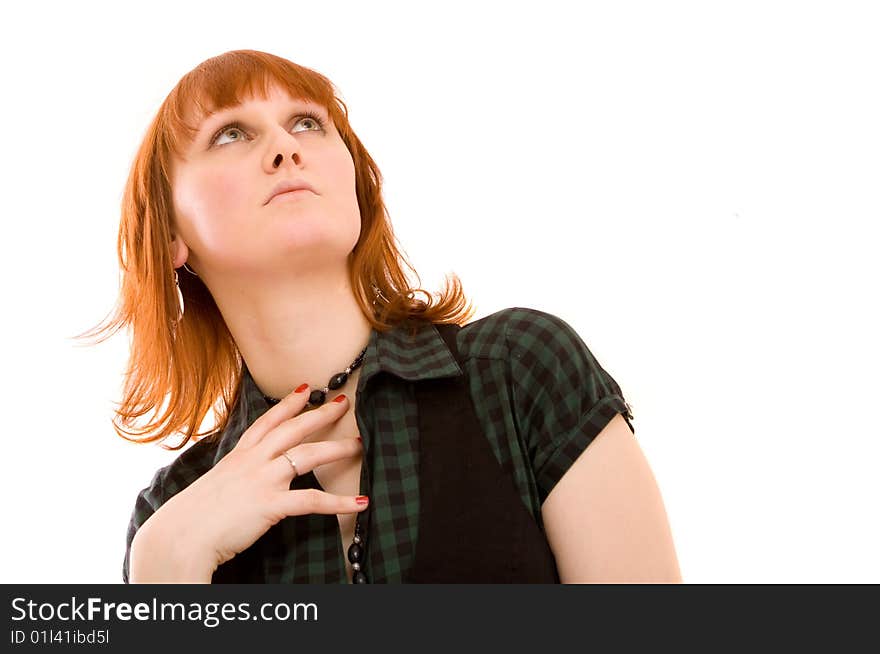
(285, 193)
(289, 185)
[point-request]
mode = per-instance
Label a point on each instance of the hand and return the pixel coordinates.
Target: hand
(228, 508)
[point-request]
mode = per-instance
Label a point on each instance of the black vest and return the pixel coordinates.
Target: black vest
(473, 526)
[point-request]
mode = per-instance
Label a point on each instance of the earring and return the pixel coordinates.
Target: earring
(179, 296)
(190, 270)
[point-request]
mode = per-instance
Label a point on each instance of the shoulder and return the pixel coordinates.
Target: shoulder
(559, 394)
(525, 336)
(169, 480)
(514, 331)
(552, 374)
(166, 482)
(553, 368)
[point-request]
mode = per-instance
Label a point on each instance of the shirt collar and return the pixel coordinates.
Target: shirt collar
(412, 357)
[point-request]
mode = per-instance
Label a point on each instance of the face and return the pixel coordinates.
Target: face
(223, 221)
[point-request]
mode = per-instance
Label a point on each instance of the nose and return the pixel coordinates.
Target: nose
(279, 158)
(288, 144)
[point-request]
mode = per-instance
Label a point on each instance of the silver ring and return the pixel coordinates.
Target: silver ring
(290, 461)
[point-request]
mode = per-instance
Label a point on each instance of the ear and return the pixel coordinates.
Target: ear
(179, 252)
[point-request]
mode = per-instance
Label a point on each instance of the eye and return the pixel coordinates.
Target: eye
(233, 127)
(237, 127)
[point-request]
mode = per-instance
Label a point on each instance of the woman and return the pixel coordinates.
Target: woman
(364, 436)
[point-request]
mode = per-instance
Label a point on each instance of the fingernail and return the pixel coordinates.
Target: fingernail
(300, 389)
(362, 499)
(339, 398)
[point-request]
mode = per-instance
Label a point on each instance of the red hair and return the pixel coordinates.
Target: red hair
(197, 365)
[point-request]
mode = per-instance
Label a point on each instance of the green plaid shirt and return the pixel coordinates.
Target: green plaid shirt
(539, 393)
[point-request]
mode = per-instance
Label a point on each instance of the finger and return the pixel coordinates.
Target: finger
(308, 456)
(291, 432)
(289, 407)
(314, 500)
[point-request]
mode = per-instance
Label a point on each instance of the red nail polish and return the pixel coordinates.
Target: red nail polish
(362, 499)
(300, 389)
(339, 398)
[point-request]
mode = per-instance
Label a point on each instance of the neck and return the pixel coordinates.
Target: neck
(296, 331)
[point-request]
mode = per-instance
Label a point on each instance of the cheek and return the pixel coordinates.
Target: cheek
(340, 169)
(344, 166)
(221, 193)
(212, 203)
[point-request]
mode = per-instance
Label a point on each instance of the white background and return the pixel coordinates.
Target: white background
(693, 186)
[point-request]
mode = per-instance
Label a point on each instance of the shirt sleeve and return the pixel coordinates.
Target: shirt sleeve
(562, 396)
(147, 503)
(190, 464)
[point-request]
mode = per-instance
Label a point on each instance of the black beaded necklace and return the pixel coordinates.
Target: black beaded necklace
(317, 398)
